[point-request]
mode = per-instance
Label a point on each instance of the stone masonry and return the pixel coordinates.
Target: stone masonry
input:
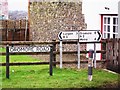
(47, 19)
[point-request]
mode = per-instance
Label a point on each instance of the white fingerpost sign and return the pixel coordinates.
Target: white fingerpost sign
(89, 36)
(68, 35)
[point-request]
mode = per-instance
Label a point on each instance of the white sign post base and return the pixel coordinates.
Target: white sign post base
(60, 54)
(78, 45)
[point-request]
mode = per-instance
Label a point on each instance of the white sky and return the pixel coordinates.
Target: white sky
(18, 5)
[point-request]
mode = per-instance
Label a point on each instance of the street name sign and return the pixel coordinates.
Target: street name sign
(29, 49)
(89, 36)
(68, 35)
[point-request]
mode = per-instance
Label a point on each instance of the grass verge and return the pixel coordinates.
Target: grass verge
(37, 76)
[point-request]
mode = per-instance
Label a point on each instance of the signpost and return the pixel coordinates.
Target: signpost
(78, 48)
(60, 53)
(83, 35)
(68, 35)
(29, 49)
(80, 36)
(94, 55)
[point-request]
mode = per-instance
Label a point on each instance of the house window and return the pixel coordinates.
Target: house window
(110, 26)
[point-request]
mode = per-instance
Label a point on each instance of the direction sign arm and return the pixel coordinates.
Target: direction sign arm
(59, 35)
(99, 35)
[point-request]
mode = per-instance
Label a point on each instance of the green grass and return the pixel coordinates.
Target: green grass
(37, 76)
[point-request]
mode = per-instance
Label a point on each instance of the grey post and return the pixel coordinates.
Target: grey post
(94, 55)
(60, 53)
(7, 61)
(90, 64)
(51, 59)
(78, 47)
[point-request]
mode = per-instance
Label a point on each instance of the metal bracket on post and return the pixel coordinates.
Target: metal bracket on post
(51, 60)
(7, 61)
(60, 53)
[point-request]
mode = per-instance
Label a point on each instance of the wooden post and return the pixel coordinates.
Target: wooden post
(60, 53)
(6, 31)
(54, 55)
(107, 52)
(51, 59)
(20, 29)
(13, 34)
(26, 29)
(119, 56)
(7, 61)
(13, 31)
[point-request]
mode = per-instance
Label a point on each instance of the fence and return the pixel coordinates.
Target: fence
(53, 43)
(113, 54)
(14, 30)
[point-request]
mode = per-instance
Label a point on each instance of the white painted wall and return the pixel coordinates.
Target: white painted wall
(92, 10)
(119, 20)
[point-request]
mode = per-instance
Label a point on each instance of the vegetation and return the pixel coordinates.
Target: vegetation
(37, 76)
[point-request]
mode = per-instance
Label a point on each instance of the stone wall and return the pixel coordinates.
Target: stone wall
(47, 19)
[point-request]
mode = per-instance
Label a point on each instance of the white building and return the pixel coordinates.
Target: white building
(101, 15)
(3, 9)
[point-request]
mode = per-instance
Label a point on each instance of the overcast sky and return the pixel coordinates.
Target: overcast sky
(18, 5)
(23, 4)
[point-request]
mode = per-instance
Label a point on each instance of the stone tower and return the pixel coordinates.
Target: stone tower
(50, 17)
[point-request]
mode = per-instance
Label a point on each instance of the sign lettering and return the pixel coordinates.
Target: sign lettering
(82, 36)
(29, 49)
